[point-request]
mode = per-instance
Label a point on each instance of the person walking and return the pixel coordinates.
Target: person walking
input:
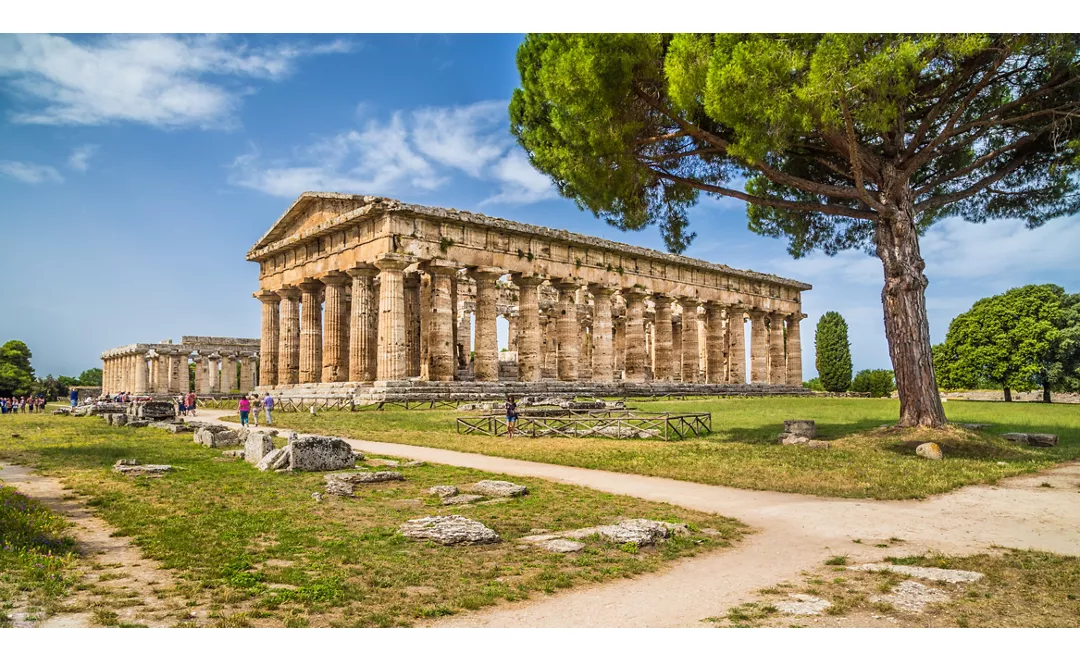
(255, 411)
(511, 417)
(268, 406)
(245, 410)
(74, 397)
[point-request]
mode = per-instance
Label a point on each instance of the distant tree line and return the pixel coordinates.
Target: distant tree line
(17, 375)
(1024, 339)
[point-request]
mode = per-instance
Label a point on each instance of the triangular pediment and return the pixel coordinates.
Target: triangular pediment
(310, 209)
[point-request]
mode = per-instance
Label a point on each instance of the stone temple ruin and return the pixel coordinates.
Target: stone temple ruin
(162, 368)
(367, 295)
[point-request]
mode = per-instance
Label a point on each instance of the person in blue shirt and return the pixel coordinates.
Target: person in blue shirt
(74, 398)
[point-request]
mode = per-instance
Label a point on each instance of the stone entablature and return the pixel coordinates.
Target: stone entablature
(403, 285)
(162, 368)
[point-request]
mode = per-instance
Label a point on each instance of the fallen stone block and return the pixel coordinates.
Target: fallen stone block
(171, 427)
(154, 410)
(449, 530)
(215, 435)
(923, 572)
(803, 427)
(365, 477)
(443, 491)
(118, 419)
(562, 545)
(493, 488)
(976, 427)
(233, 453)
(62, 411)
(414, 464)
(138, 423)
(1032, 439)
(930, 450)
(461, 499)
(803, 605)
(316, 453)
(793, 439)
(133, 468)
(275, 460)
(256, 446)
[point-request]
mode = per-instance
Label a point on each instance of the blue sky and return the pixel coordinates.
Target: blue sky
(135, 172)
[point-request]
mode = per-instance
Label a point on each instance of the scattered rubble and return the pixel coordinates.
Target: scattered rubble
(911, 596)
(443, 491)
(923, 572)
(492, 488)
(461, 499)
(133, 468)
(803, 605)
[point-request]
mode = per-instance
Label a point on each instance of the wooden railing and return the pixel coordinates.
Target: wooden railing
(613, 424)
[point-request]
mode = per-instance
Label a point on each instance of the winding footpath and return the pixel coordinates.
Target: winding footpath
(793, 533)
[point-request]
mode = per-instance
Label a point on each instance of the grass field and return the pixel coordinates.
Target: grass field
(863, 461)
(36, 557)
(1021, 589)
(257, 549)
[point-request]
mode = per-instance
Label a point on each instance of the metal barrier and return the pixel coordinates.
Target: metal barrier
(614, 424)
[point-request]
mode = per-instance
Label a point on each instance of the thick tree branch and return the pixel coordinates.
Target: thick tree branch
(943, 100)
(856, 166)
(985, 182)
(976, 164)
(811, 207)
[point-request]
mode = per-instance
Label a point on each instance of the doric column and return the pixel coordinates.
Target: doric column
(442, 362)
(603, 365)
(690, 355)
(794, 350)
(335, 337)
(635, 336)
(715, 343)
(311, 335)
(412, 323)
(159, 381)
(759, 347)
(487, 341)
(529, 338)
(269, 337)
(391, 363)
(175, 373)
(662, 366)
(676, 346)
(619, 342)
(152, 371)
(777, 355)
(228, 373)
(202, 382)
(736, 327)
(464, 336)
(567, 329)
(247, 372)
(213, 375)
(363, 325)
(289, 348)
(424, 313)
(141, 375)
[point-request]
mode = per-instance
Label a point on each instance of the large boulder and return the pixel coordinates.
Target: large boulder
(492, 488)
(317, 453)
(344, 484)
(449, 530)
(803, 427)
(215, 435)
(639, 531)
(155, 410)
(257, 445)
(930, 450)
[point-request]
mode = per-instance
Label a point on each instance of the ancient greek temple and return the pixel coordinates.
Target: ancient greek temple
(222, 365)
(368, 292)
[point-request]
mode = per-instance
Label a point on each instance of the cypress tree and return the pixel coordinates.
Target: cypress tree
(833, 352)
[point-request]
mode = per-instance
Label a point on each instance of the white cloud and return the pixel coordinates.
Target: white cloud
(419, 150)
(162, 81)
(30, 172)
(80, 157)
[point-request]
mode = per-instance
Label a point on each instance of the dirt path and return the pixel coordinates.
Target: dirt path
(795, 533)
(122, 585)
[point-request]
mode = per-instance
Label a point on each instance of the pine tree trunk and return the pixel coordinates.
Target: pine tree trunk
(1008, 394)
(906, 326)
(1046, 392)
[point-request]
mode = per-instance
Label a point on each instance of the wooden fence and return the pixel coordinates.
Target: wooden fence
(592, 423)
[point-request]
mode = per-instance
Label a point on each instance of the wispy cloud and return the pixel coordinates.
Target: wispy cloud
(421, 150)
(79, 160)
(29, 172)
(162, 81)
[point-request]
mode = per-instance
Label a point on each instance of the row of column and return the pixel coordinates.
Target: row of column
(159, 372)
(391, 329)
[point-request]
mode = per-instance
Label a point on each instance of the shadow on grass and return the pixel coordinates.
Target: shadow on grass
(766, 434)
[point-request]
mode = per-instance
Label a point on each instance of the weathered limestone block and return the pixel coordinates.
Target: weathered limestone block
(118, 419)
(911, 596)
(952, 576)
(562, 545)
(275, 460)
(638, 531)
(62, 411)
(132, 468)
(803, 427)
(257, 445)
(171, 427)
(930, 450)
(492, 488)
(461, 499)
(137, 423)
(366, 477)
(449, 530)
(155, 410)
(316, 453)
(1032, 439)
(233, 453)
(214, 435)
(793, 439)
(803, 605)
(443, 491)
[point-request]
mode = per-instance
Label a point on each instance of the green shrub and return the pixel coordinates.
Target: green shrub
(833, 352)
(814, 384)
(878, 382)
